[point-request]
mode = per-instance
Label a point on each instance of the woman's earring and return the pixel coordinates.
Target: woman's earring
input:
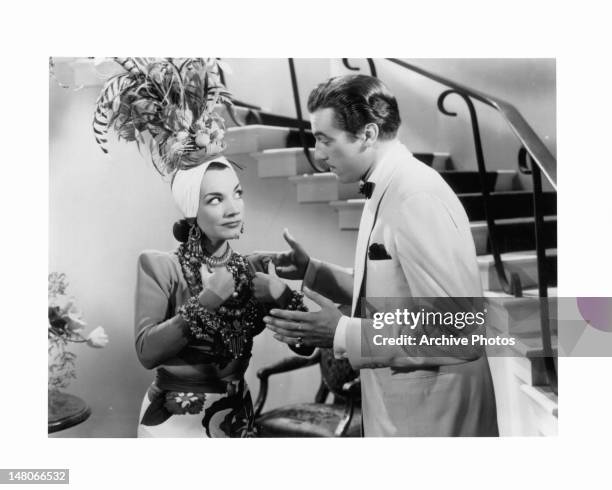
(195, 237)
(242, 229)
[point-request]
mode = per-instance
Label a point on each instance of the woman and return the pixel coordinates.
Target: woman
(197, 311)
(198, 307)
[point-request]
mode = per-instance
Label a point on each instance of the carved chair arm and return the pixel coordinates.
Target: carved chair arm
(283, 366)
(352, 389)
(352, 392)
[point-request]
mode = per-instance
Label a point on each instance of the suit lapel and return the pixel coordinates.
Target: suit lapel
(382, 177)
(363, 237)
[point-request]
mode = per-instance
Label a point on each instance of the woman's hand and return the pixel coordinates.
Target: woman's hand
(219, 287)
(291, 264)
(267, 288)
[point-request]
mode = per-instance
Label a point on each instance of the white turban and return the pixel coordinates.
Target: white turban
(186, 186)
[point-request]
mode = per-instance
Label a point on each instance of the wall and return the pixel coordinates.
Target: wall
(266, 82)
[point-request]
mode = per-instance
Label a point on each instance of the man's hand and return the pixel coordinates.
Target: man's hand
(290, 264)
(315, 329)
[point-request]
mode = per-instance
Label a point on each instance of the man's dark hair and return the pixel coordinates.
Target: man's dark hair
(358, 100)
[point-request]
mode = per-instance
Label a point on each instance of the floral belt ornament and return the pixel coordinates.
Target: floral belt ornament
(179, 403)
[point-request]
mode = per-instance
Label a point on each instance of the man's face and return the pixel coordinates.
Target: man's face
(346, 156)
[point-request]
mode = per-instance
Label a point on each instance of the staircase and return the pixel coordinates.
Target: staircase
(530, 404)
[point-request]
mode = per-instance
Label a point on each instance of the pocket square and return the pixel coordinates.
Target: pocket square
(377, 251)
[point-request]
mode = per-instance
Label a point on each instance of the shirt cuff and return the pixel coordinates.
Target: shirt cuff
(340, 338)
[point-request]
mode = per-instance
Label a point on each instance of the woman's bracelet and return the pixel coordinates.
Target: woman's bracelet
(195, 315)
(296, 302)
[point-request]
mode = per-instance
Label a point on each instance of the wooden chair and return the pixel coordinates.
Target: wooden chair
(341, 418)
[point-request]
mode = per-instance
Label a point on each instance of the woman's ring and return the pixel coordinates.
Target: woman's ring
(298, 344)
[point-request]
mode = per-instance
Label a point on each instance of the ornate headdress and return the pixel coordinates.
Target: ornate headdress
(165, 105)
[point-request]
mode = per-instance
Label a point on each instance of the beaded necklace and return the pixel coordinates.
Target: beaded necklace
(235, 321)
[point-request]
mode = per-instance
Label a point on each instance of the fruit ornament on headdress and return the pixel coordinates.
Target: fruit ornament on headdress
(166, 105)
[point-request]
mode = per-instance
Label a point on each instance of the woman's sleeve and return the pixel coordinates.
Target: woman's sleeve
(281, 303)
(157, 337)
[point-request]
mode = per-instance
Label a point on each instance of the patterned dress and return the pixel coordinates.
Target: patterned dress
(199, 388)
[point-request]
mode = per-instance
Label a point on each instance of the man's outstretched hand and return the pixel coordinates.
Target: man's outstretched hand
(311, 329)
(290, 264)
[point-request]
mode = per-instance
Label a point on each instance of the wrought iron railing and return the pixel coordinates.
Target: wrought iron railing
(298, 111)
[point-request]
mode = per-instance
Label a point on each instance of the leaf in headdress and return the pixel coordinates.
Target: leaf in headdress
(194, 94)
(127, 132)
(113, 88)
(129, 65)
(155, 75)
(144, 108)
(186, 65)
(142, 64)
(177, 81)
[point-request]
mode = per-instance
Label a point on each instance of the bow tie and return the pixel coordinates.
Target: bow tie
(366, 188)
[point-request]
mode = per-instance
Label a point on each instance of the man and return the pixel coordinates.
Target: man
(414, 242)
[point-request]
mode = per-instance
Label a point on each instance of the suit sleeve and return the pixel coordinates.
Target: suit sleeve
(157, 337)
(437, 262)
(330, 280)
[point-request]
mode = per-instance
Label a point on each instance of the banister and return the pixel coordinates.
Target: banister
(538, 151)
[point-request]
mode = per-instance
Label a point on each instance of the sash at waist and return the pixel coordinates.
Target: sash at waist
(206, 383)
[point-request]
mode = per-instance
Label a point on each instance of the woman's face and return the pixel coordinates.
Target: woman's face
(220, 212)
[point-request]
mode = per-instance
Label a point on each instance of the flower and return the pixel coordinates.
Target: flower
(64, 315)
(97, 338)
(180, 403)
(66, 325)
(202, 139)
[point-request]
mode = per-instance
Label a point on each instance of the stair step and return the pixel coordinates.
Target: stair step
(519, 319)
(464, 181)
(249, 116)
(514, 234)
(349, 213)
(535, 292)
(544, 397)
(525, 264)
(507, 204)
(321, 187)
(257, 138)
(271, 162)
(282, 162)
(241, 114)
(294, 139)
(437, 160)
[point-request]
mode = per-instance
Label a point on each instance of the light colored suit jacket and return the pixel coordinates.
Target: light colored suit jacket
(412, 391)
